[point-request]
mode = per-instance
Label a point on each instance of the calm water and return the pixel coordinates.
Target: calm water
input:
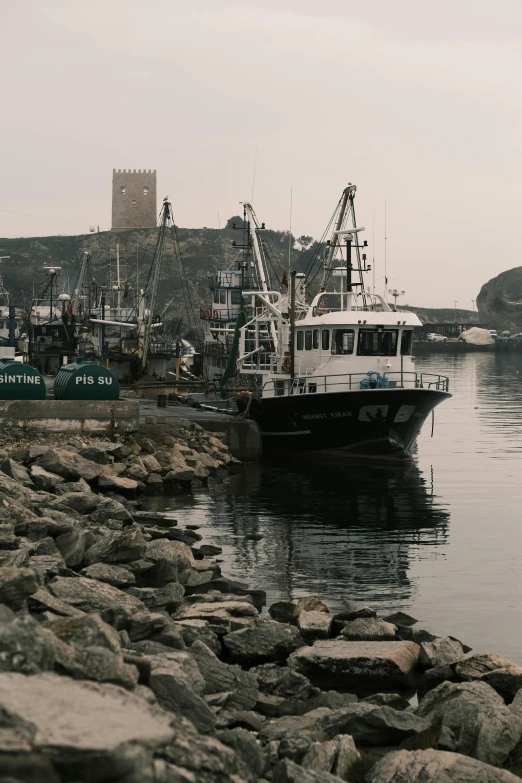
(442, 540)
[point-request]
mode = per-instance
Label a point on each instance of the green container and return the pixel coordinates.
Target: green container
(20, 381)
(85, 380)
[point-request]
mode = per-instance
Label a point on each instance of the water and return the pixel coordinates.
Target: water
(442, 540)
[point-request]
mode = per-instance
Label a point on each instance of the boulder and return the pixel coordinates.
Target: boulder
(369, 724)
(24, 646)
(118, 547)
(394, 700)
(109, 508)
(89, 595)
(221, 677)
(282, 681)
(168, 598)
(88, 630)
(176, 681)
(310, 604)
(435, 766)
(246, 748)
(485, 728)
(100, 452)
(69, 465)
(283, 612)
(348, 757)
(433, 677)
(368, 629)
(269, 641)
(72, 547)
(44, 601)
(320, 756)
(90, 731)
(476, 666)
(81, 502)
(73, 486)
(358, 667)
(125, 486)
(16, 584)
(115, 575)
(94, 663)
(506, 681)
(314, 625)
(401, 618)
(287, 771)
(176, 553)
(347, 615)
(296, 726)
(17, 472)
(440, 652)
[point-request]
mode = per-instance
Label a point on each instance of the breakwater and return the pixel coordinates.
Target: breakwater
(126, 655)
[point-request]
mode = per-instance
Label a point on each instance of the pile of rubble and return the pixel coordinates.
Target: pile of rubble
(127, 657)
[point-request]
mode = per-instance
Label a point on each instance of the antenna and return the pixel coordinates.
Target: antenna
(254, 177)
(373, 245)
(385, 255)
(290, 235)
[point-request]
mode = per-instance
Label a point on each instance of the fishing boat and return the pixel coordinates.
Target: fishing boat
(329, 370)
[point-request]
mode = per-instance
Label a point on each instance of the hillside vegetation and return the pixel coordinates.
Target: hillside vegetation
(200, 252)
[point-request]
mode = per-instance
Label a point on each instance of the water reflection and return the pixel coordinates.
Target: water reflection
(343, 533)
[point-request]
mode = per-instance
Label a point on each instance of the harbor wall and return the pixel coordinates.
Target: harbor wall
(93, 416)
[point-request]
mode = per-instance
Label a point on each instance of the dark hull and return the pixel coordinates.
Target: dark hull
(380, 424)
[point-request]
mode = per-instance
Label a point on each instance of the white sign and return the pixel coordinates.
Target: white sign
(89, 380)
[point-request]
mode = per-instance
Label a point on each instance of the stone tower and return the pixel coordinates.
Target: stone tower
(133, 198)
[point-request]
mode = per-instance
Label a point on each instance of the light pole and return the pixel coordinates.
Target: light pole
(455, 301)
(472, 305)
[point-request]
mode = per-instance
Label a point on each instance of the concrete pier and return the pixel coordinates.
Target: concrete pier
(89, 416)
(242, 436)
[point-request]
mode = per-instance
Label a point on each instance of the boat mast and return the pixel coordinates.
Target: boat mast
(146, 328)
(258, 255)
(338, 226)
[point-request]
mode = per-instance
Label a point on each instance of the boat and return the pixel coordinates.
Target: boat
(327, 370)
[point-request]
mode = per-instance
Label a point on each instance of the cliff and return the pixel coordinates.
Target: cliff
(500, 301)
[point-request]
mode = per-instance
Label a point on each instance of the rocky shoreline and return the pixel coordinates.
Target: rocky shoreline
(127, 657)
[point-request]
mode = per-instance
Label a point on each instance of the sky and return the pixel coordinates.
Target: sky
(417, 103)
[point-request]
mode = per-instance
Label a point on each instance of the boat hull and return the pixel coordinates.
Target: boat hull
(377, 424)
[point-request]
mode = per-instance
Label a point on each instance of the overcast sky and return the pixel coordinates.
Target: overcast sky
(418, 103)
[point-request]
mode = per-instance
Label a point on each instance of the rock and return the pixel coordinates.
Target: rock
(24, 646)
(168, 598)
(115, 575)
(394, 700)
(100, 452)
(358, 667)
(46, 566)
(8, 540)
(209, 550)
(485, 728)
(86, 631)
(369, 724)
(320, 756)
(369, 630)
(475, 667)
(220, 677)
(400, 618)
(296, 726)
(193, 630)
(94, 663)
(314, 625)
(81, 502)
(44, 601)
(330, 699)
(72, 547)
(282, 681)
(110, 737)
(310, 604)
(348, 757)
(288, 771)
(69, 465)
(435, 766)
(118, 547)
(70, 487)
(220, 614)
(440, 652)
(283, 612)
(244, 719)
(173, 552)
(89, 595)
(246, 747)
(109, 508)
(270, 641)
(17, 472)
(176, 682)
(433, 677)
(151, 464)
(506, 681)
(125, 486)
(16, 584)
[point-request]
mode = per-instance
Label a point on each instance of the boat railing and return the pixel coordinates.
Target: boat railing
(311, 384)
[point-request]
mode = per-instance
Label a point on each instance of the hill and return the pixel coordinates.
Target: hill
(500, 301)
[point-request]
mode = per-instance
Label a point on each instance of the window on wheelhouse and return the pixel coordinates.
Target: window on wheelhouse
(342, 341)
(236, 297)
(316, 339)
(308, 340)
(223, 296)
(406, 342)
(325, 339)
(375, 342)
(300, 340)
(216, 296)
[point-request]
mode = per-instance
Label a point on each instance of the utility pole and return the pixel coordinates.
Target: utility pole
(455, 301)
(472, 305)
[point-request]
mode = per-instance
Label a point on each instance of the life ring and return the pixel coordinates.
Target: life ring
(287, 363)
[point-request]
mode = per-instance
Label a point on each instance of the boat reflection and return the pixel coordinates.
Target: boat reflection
(347, 534)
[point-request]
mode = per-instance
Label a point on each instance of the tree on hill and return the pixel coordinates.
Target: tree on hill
(304, 242)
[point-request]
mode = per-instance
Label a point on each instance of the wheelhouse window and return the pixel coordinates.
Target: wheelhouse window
(342, 341)
(375, 342)
(236, 297)
(216, 296)
(325, 339)
(407, 342)
(308, 340)
(300, 340)
(223, 296)
(316, 339)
